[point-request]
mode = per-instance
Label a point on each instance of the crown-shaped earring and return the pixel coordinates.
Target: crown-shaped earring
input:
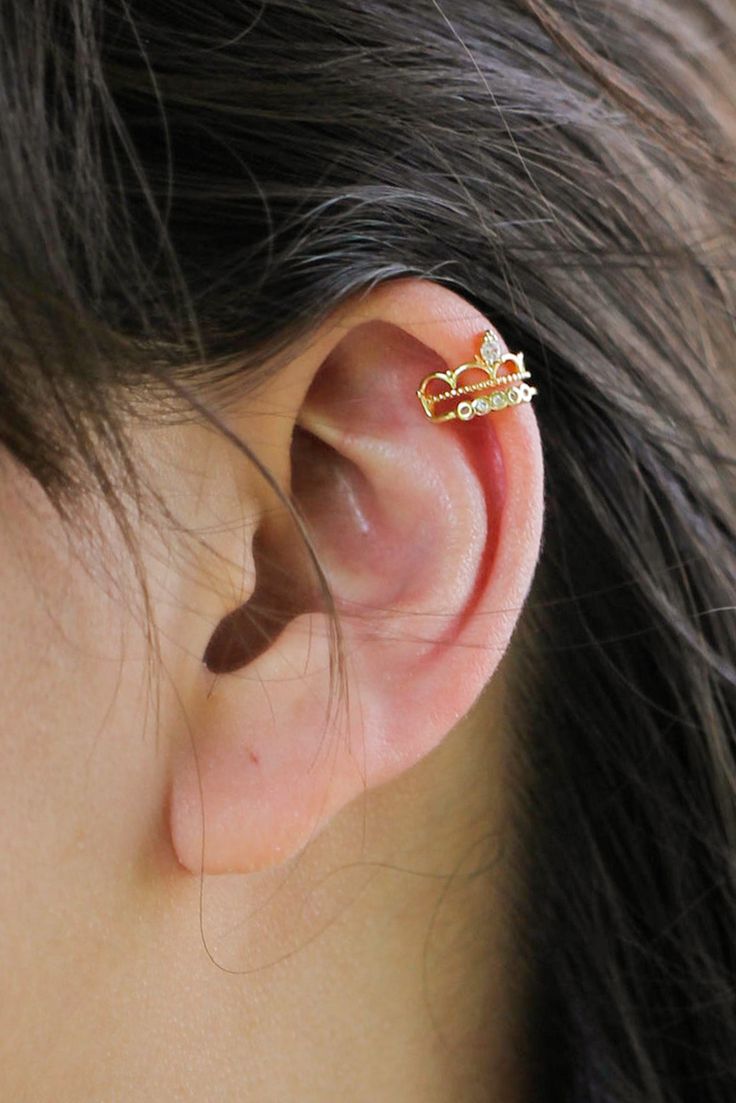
(443, 395)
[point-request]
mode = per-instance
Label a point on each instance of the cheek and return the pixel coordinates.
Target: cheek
(77, 766)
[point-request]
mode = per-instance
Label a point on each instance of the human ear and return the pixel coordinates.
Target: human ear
(429, 535)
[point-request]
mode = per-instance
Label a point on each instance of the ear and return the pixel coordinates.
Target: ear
(429, 535)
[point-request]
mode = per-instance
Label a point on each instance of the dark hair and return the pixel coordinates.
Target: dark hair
(184, 184)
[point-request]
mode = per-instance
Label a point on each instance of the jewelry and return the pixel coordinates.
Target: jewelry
(442, 395)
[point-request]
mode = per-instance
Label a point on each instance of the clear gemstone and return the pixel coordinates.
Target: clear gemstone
(490, 348)
(482, 405)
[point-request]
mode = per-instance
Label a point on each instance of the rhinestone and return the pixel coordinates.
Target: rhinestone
(490, 348)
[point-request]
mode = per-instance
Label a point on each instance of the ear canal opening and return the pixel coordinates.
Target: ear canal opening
(248, 631)
(286, 586)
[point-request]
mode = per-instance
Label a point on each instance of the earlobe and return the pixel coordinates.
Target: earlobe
(429, 534)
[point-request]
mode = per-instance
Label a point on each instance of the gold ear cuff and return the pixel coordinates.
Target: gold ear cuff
(443, 395)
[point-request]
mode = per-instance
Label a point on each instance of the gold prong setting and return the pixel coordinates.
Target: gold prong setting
(488, 404)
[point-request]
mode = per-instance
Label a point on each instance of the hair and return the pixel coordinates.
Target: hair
(184, 186)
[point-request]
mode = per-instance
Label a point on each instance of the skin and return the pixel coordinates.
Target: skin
(369, 954)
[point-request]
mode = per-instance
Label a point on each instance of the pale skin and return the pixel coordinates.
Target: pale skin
(343, 928)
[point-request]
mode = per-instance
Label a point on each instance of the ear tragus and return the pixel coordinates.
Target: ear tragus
(283, 591)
